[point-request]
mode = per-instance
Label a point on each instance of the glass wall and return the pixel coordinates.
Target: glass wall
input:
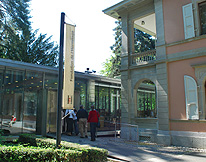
(51, 83)
(31, 97)
(107, 103)
(32, 89)
(81, 88)
(19, 97)
(146, 100)
(12, 100)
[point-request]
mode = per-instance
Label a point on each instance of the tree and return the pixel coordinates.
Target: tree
(142, 42)
(18, 41)
(112, 65)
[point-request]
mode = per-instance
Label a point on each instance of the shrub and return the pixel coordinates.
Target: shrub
(29, 139)
(44, 149)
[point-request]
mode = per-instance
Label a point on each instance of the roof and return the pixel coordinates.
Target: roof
(48, 69)
(113, 10)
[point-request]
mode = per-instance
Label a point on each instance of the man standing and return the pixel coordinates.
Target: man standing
(82, 116)
(93, 120)
(69, 119)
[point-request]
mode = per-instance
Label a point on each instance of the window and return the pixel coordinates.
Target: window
(146, 100)
(191, 98)
(202, 12)
(188, 21)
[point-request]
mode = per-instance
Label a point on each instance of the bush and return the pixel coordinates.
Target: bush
(29, 139)
(24, 154)
(44, 149)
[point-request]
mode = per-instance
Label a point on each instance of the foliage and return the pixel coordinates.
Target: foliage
(20, 153)
(142, 43)
(112, 65)
(47, 147)
(18, 41)
(29, 139)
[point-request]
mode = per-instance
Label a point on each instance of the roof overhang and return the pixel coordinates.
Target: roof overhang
(146, 24)
(113, 11)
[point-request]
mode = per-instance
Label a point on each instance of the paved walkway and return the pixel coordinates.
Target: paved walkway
(141, 152)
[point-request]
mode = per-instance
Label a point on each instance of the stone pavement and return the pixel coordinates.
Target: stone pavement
(141, 152)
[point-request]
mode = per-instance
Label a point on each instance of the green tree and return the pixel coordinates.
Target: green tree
(112, 65)
(18, 40)
(142, 42)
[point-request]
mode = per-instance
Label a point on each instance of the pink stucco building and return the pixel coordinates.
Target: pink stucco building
(175, 72)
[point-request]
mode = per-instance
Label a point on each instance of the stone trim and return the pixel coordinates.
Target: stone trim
(186, 121)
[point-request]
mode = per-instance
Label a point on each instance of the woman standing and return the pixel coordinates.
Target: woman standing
(93, 120)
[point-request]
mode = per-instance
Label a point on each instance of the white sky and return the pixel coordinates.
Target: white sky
(94, 29)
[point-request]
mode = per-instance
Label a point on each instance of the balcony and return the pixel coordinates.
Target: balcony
(143, 57)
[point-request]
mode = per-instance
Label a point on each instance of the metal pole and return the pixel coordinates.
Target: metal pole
(60, 82)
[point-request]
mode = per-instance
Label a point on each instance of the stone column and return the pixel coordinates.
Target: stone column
(127, 131)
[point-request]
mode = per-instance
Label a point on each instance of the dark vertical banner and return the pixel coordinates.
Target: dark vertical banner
(68, 87)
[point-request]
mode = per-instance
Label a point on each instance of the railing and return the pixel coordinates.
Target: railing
(143, 57)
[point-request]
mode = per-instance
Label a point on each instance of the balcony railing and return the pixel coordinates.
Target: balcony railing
(143, 57)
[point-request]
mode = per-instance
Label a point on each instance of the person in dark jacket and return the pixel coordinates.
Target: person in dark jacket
(82, 116)
(93, 120)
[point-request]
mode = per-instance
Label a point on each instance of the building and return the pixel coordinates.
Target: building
(176, 69)
(29, 92)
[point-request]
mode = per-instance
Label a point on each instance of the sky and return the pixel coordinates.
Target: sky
(94, 30)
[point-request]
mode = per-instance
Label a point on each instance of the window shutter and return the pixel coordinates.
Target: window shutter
(191, 98)
(188, 21)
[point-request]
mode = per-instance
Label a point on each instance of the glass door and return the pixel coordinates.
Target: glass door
(51, 111)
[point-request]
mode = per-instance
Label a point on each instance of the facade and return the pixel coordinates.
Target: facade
(29, 92)
(176, 69)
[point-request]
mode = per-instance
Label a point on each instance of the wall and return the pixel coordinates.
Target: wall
(173, 20)
(176, 72)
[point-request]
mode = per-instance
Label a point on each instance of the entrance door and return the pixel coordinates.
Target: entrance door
(115, 108)
(77, 99)
(51, 111)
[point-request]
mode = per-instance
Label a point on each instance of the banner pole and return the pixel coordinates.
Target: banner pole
(60, 81)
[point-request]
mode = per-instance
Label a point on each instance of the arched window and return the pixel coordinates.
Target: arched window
(191, 98)
(146, 100)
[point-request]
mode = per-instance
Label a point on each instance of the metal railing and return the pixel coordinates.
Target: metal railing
(115, 128)
(143, 57)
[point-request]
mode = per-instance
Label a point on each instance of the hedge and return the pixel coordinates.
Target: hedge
(44, 149)
(26, 154)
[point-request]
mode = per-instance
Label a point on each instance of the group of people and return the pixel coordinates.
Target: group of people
(79, 119)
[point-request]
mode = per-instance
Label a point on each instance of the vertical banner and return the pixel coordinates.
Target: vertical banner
(68, 86)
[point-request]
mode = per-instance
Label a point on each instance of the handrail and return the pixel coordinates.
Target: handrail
(143, 57)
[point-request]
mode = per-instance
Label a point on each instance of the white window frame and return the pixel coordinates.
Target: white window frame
(197, 16)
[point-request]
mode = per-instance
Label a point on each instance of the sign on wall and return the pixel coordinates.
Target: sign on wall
(68, 86)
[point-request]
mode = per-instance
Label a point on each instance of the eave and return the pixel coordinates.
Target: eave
(114, 10)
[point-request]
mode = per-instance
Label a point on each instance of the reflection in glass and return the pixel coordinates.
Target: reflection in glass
(33, 85)
(51, 81)
(80, 86)
(51, 111)
(12, 100)
(146, 100)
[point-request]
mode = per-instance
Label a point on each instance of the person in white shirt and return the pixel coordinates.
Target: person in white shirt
(69, 120)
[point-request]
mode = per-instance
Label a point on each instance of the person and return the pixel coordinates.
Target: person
(75, 122)
(13, 120)
(82, 116)
(69, 119)
(93, 120)
(63, 121)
